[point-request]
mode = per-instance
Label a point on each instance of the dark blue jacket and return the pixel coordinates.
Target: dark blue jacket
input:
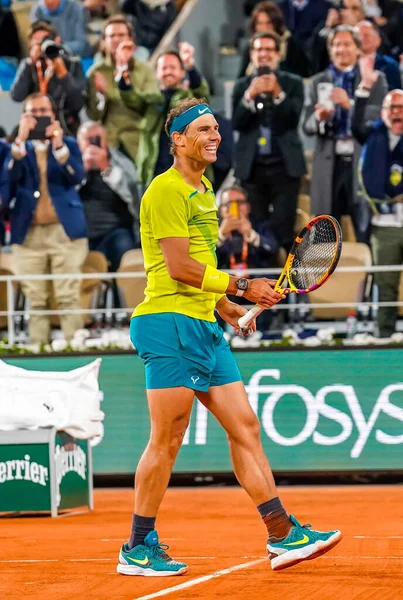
(302, 23)
(3, 155)
(20, 180)
(390, 68)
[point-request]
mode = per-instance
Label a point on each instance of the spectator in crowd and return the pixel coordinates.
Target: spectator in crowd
(266, 16)
(370, 42)
(3, 155)
(243, 243)
(121, 88)
(269, 159)
(152, 19)
(61, 77)
(349, 12)
(303, 19)
(381, 178)
(9, 38)
(178, 79)
(330, 98)
(109, 195)
(48, 230)
(69, 19)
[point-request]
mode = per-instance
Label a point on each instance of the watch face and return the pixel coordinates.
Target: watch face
(242, 284)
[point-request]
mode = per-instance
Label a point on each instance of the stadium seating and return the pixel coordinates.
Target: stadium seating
(344, 287)
(132, 289)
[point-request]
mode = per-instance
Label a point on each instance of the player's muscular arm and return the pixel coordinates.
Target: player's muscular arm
(186, 269)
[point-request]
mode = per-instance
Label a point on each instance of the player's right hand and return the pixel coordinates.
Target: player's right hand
(260, 291)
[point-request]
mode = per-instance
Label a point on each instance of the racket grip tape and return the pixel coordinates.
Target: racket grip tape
(248, 317)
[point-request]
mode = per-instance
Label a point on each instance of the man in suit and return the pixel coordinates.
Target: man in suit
(330, 99)
(370, 43)
(48, 229)
(381, 179)
(269, 159)
(3, 155)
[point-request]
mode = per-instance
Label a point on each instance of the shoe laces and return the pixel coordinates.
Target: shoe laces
(159, 550)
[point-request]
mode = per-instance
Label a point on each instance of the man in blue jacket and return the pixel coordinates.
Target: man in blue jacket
(370, 43)
(3, 155)
(381, 180)
(48, 229)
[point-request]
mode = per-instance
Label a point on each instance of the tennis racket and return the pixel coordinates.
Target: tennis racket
(312, 259)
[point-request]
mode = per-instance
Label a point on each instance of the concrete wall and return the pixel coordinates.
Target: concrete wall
(213, 22)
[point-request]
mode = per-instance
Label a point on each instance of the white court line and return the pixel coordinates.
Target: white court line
(360, 557)
(193, 582)
(124, 540)
(87, 559)
(31, 560)
(259, 559)
(378, 537)
(44, 560)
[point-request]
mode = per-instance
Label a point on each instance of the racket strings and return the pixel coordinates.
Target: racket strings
(314, 255)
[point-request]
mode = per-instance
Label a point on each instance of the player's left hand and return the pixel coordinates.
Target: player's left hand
(230, 312)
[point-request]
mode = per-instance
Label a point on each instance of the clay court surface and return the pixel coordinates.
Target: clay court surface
(217, 532)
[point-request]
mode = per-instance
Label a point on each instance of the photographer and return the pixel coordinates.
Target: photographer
(269, 159)
(69, 18)
(48, 230)
(109, 195)
(243, 242)
(50, 70)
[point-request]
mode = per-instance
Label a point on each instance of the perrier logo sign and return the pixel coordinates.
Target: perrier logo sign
(70, 458)
(24, 469)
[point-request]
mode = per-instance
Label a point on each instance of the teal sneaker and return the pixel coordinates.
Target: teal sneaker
(300, 544)
(149, 559)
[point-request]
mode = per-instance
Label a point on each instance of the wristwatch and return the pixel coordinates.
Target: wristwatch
(242, 285)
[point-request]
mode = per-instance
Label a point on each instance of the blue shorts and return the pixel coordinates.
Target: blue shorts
(181, 351)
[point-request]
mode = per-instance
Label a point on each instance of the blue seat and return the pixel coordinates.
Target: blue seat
(8, 70)
(86, 63)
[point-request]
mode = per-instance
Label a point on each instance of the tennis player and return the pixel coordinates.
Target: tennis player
(185, 354)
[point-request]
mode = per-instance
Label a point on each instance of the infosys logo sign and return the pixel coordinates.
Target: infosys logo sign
(266, 397)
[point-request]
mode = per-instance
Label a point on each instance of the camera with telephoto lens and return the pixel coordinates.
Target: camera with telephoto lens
(51, 50)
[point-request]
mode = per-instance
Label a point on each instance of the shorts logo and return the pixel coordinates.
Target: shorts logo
(194, 378)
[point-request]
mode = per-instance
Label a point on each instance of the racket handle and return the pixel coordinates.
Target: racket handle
(249, 316)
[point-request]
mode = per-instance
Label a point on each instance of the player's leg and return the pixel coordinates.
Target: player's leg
(170, 410)
(289, 542)
(169, 413)
(170, 403)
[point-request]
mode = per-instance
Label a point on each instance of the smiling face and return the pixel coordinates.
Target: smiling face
(344, 52)
(200, 140)
(392, 112)
(265, 54)
(170, 73)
